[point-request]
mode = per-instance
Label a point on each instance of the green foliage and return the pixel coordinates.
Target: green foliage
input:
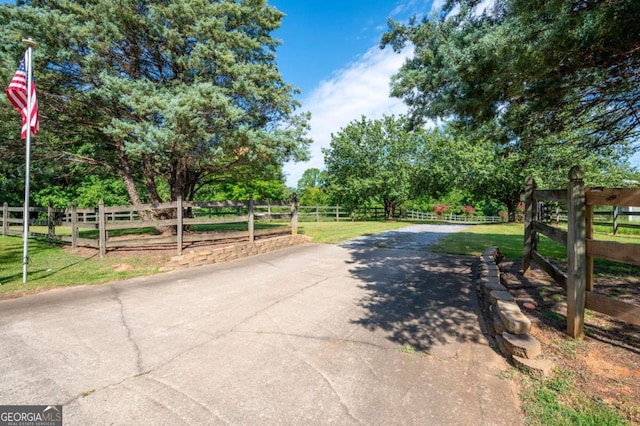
(311, 178)
(528, 88)
(182, 94)
(314, 196)
(383, 162)
(94, 188)
(311, 188)
(538, 68)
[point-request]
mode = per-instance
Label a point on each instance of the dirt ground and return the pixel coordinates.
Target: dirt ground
(606, 364)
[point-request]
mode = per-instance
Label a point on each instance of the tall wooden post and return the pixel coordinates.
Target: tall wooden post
(577, 254)
(102, 229)
(74, 225)
(180, 224)
(251, 225)
(5, 219)
(589, 212)
(294, 214)
(51, 230)
(529, 234)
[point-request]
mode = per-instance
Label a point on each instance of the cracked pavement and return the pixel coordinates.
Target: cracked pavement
(375, 331)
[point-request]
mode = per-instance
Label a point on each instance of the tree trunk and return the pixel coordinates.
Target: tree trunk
(389, 209)
(127, 177)
(512, 204)
(149, 180)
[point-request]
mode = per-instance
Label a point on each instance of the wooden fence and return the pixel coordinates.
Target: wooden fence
(582, 248)
(449, 217)
(173, 216)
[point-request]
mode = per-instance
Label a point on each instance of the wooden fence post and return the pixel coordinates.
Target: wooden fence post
(5, 219)
(251, 225)
(294, 215)
(102, 229)
(576, 273)
(616, 214)
(337, 213)
(588, 233)
(317, 213)
(180, 224)
(51, 230)
(529, 234)
(74, 226)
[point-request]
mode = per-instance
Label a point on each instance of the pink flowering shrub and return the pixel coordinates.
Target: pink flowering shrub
(440, 210)
(469, 211)
(520, 212)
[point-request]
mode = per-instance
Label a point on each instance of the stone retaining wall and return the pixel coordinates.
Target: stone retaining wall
(233, 251)
(506, 323)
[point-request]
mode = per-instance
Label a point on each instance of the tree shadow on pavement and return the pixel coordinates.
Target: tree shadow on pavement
(420, 299)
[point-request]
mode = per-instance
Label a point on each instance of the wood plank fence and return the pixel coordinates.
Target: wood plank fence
(174, 215)
(582, 248)
(450, 217)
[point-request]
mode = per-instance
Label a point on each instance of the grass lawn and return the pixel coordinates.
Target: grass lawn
(336, 232)
(53, 266)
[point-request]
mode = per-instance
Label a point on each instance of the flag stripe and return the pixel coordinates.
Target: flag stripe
(17, 95)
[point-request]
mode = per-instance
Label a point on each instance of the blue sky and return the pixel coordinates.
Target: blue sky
(330, 51)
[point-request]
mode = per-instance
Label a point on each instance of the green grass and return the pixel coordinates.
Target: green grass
(509, 237)
(336, 232)
(52, 266)
(555, 401)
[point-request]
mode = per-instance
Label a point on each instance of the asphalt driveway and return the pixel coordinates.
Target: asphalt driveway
(376, 331)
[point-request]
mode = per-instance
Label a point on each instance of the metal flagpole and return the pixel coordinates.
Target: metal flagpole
(25, 219)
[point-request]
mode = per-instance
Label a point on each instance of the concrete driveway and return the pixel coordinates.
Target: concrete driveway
(362, 333)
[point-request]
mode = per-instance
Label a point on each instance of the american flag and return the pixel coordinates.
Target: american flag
(17, 94)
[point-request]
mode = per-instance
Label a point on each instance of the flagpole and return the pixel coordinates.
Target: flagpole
(25, 218)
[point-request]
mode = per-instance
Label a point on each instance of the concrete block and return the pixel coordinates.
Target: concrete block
(493, 284)
(491, 273)
(513, 318)
(500, 295)
(522, 345)
(489, 265)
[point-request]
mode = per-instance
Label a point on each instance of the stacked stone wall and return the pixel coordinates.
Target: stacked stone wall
(234, 251)
(506, 324)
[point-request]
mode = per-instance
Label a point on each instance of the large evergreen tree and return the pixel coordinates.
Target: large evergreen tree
(180, 93)
(537, 67)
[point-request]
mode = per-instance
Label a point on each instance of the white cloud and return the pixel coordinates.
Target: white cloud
(437, 5)
(361, 88)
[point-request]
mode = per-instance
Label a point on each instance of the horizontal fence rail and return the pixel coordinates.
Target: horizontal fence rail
(174, 217)
(582, 248)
